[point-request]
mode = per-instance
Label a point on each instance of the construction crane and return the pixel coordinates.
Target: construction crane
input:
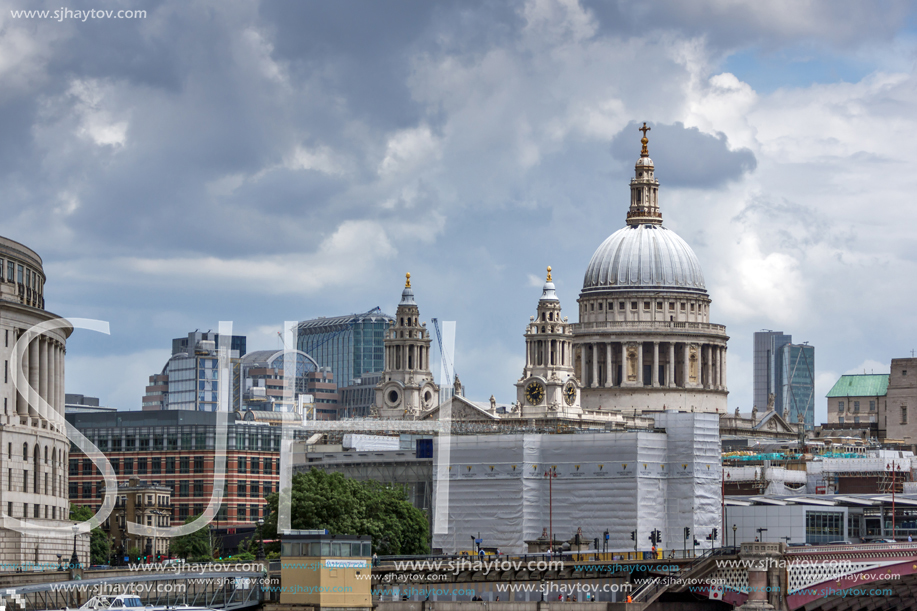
(439, 340)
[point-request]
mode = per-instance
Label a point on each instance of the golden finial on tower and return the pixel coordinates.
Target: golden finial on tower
(644, 140)
(549, 273)
(407, 282)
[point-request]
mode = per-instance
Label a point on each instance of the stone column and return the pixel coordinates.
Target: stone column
(33, 377)
(686, 377)
(52, 377)
(655, 372)
(719, 368)
(61, 353)
(639, 363)
(43, 368)
(623, 363)
(670, 373)
(582, 364)
(595, 366)
(725, 386)
(22, 398)
(609, 379)
(708, 365)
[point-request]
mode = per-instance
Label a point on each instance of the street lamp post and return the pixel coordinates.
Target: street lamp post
(551, 474)
(734, 529)
(260, 539)
(74, 559)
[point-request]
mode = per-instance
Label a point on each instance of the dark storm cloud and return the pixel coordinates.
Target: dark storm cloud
(725, 24)
(686, 157)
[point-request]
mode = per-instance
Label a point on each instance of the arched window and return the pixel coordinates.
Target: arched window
(25, 451)
(46, 454)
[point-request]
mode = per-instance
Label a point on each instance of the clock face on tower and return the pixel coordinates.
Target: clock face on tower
(534, 393)
(570, 394)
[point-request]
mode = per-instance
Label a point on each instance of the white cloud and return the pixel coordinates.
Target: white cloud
(409, 149)
(96, 121)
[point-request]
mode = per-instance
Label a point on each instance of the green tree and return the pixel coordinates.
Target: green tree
(99, 544)
(349, 507)
(194, 547)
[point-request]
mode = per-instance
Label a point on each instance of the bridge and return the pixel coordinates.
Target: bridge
(232, 590)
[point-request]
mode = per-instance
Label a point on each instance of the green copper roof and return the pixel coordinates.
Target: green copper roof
(864, 385)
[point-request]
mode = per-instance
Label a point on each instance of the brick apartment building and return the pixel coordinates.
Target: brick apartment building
(176, 449)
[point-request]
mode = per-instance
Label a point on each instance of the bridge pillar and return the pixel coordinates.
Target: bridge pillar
(765, 565)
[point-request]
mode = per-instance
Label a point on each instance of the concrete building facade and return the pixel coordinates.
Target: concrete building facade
(34, 448)
(901, 404)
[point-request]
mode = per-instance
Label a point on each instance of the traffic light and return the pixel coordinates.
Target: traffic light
(687, 533)
(715, 534)
(633, 535)
(696, 542)
(607, 535)
(658, 536)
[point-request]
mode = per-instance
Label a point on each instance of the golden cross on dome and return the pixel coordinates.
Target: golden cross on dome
(549, 273)
(644, 152)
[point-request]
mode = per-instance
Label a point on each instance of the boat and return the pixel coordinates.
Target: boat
(129, 602)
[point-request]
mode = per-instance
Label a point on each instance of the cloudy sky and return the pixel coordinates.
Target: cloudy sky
(261, 162)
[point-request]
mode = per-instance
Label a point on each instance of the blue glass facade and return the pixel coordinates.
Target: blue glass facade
(350, 345)
(797, 379)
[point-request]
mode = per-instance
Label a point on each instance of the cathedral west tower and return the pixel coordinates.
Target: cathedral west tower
(407, 386)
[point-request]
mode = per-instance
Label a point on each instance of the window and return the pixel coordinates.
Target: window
(198, 508)
(186, 441)
(903, 414)
(182, 512)
(255, 490)
(646, 305)
(200, 439)
(19, 274)
(671, 306)
(840, 406)
(156, 465)
(856, 419)
(241, 489)
(157, 442)
(633, 305)
(256, 464)
(856, 406)
(198, 464)
(872, 406)
(141, 466)
(172, 441)
(682, 306)
(620, 305)
(241, 464)
(116, 465)
(72, 490)
(183, 488)
(128, 466)
(824, 526)
(658, 305)
(254, 511)
(600, 306)
(840, 420)
(692, 307)
(170, 465)
(184, 464)
(87, 490)
(198, 487)
(87, 466)
(74, 466)
(240, 512)
(9, 278)
(267, 466)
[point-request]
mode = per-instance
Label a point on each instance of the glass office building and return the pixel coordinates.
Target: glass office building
(767, 364)
(350, 345)
(797, 383)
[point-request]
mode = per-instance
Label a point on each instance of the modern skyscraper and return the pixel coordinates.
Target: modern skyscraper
(787, 371)
(796, 390)
(766, 364)
(350, 345)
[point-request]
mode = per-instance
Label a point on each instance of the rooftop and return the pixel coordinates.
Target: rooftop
(860, 385)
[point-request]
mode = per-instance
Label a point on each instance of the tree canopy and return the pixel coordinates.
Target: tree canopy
(349, 507)
(99, 545)
(194, 547)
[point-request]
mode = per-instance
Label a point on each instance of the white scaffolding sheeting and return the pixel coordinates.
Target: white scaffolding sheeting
(371, 443)
(619, 481)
